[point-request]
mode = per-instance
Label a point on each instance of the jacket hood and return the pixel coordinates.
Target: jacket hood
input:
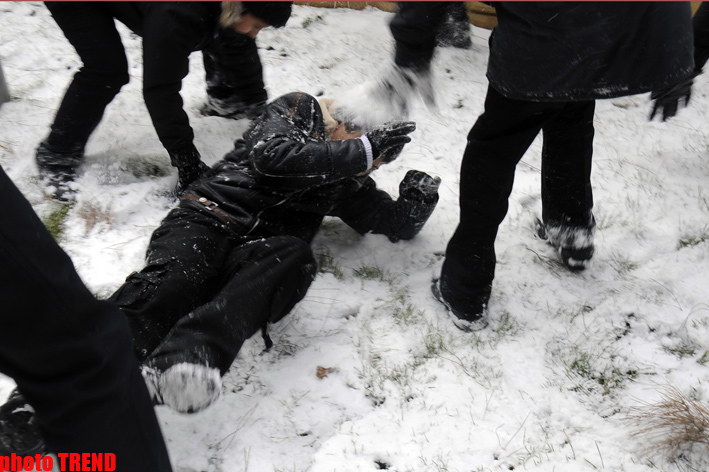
(296, 115)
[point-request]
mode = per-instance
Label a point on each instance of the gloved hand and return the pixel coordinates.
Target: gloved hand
(389, 139)
(188, 174)
(668, 99)
(189, 167)
(419, 186)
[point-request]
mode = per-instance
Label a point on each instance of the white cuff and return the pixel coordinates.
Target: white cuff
(368, 150)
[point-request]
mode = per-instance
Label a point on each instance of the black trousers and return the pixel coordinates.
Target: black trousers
(91, 29)
(233, 72)
(414, 28)
(203, 292)
(233, 69)
(70, 355)
(496, 143)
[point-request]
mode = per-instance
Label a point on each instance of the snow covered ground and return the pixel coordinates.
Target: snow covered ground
(546, 387)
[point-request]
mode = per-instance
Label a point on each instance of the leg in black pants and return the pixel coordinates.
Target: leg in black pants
(260, 283)
(91, 29)
(70, 355)
(567, 196)
(183, 265)
(567, 152)
(496, 143)
(234, 76)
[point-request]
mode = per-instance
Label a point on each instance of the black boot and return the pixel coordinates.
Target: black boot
(234, 109)
(573, 243)
(19, 432)
(455, 30)
(57, 170)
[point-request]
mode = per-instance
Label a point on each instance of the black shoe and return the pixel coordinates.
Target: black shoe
(19, 433)
(57, 171)
(233, 111)
(455, 29)
(574, 244)
(464, 321)
(185, 387)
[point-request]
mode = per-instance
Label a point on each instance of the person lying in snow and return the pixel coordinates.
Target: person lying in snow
(234, 255)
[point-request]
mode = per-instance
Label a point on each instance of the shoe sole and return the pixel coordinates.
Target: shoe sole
(189, 388)
(460, 323)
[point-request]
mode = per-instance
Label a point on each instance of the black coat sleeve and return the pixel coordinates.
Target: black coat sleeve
(373, 210)
(285, 163)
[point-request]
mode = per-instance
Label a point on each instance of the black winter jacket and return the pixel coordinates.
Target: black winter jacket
(171, 31)
(283, 177)
(569, 51)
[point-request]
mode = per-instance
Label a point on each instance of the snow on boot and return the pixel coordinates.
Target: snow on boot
(57, 172)
(463, 321)
(19, 433)
(573, 243)
(151, 376)
(189, 388)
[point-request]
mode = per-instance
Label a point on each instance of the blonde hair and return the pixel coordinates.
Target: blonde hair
(328, 107)
(231, 13)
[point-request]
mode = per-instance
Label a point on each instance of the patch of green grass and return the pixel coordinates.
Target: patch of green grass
(508, 325)
(681, 350)
(56, 219)
(622, 264)
(704, 359)
(328, 264)
(407, 314)
(691, 240)
(599, 371)
(310, 20)
(434, 343)
(372, 273)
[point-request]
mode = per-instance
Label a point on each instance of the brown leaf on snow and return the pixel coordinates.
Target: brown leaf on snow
(323, 371)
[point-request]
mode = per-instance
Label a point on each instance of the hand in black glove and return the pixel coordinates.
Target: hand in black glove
(188, 174)
(189, 167)
(668, 99)
(419, 186)
(390, 135)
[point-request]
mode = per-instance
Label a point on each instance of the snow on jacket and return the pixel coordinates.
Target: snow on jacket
(283, 177)
(568, 51)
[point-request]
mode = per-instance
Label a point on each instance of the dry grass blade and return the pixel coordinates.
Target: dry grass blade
(674, 423)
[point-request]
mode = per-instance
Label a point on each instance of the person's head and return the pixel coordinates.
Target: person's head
(336, 129)
(249, 18)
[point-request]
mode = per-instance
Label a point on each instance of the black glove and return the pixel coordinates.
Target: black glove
(391, 153)
(668, 99)
(419, 186)
(188, 174)
(390, 135)
(189, 167)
